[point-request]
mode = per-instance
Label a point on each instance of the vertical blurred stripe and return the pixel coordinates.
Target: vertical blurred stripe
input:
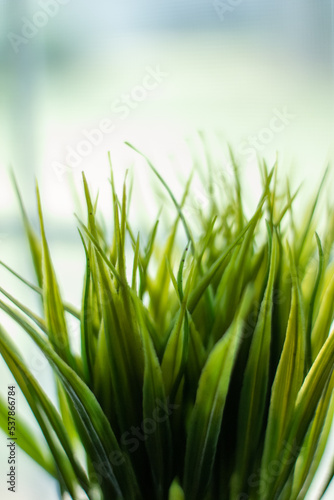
(22, 117)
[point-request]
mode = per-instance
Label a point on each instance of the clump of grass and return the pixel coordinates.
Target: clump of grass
(209, 378)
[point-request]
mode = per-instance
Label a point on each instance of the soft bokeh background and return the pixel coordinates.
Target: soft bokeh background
(68, 66)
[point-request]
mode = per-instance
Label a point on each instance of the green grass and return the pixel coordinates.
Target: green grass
(205, 372)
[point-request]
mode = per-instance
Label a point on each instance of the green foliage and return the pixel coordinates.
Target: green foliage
(206, 366)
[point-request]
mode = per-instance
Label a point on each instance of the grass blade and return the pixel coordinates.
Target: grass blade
(288, 380)
(206, 417)
(255, 381)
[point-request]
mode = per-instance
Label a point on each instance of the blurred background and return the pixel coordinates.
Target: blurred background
(79, 78)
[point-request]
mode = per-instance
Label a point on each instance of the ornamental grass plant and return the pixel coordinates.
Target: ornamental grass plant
(205, 372)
